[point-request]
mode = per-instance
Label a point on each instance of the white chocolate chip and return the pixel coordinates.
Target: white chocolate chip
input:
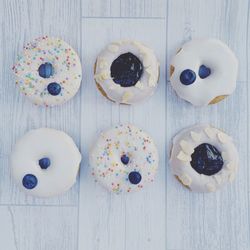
(185, 179)
(139, 85)
(210, 187)
(223, 138)
(104, 75)
(209, 132)
(183, 157)
(186, 147)
(103, 64)
(113, 48)
(195, 136)
(151, 81)
(230, 166)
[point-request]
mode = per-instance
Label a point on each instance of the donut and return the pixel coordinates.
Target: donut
(204, 158)
(48, 71)
(45, 162)
(204, 71)
(124, 159)
(126, 72)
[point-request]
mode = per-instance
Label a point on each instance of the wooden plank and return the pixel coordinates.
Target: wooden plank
(29, 228)
(218, 220)
(23, 21)
(134, 221)
(124, 8)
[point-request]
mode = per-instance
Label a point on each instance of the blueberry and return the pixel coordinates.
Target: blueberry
(29, 181)
(126, 70)
(54, 88)
(206, 159)
(204, 71)
(45, 70)
(125, 159)
(187, 77)
(44, 163)
(134, 177)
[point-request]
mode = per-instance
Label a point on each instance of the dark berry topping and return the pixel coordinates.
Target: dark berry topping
(44, 163)
(54, 88)
(45, 70)
(125, 159)
(29, 181)
(206, 159)
(126, 70)
(134, 177)
(187, 77)
(204, 71)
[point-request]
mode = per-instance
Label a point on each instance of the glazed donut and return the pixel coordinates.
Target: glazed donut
(124, 159)
(48, 71)
(204, 71)
(45, 162)
(126, 72)
(204, 158)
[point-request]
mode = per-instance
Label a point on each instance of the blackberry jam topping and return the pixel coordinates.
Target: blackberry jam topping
(126, 70)
(206, 159)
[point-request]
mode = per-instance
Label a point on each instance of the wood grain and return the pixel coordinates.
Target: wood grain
(164, 216)
(118, 220)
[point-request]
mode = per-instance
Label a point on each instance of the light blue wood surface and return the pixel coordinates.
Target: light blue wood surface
(164, 216)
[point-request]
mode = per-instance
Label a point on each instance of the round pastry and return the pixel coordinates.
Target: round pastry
(48, 71)
(124, 159)
(204, 158)
(45, 162)
(126, 72)
(204, 71)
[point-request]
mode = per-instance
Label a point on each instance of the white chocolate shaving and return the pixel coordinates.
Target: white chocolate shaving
(223, 138)
(195, 136)
(183, 157)
(185, 179)
(230, 166)
(113, 48)
(209, 132)
(139, 85)
(186, 147)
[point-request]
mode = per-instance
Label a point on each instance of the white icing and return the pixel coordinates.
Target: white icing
(62, 152)
(213, 54)
(105, 158)
(67, 70)
(144, 87)
(180, 166)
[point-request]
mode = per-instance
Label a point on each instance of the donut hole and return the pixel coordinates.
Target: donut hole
(126, 70)
(46, 70)
(206, 159)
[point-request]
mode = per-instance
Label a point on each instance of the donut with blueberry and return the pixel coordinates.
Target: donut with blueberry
(204, 71)
(204, 158)
(126, 72)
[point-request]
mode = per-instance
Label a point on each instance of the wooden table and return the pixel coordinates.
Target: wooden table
(165, 215)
